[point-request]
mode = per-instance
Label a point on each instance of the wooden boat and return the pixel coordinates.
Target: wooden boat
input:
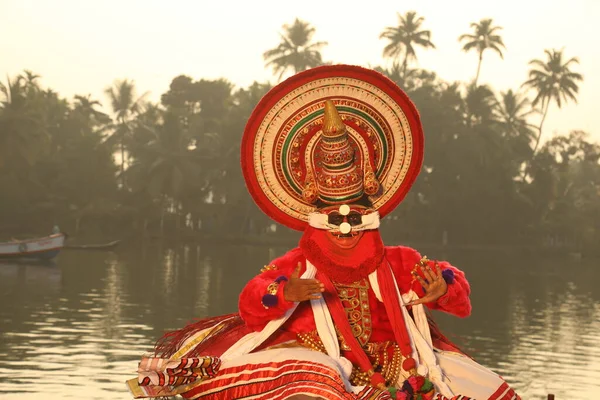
(104, 246)
(44, 248)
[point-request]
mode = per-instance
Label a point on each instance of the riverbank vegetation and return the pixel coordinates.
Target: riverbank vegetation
(125, 167)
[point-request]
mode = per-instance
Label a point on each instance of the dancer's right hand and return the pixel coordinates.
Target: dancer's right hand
(298, 289)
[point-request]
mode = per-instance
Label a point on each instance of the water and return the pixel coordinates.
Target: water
(77, 329)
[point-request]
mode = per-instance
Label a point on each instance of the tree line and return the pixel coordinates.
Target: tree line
(172, 168)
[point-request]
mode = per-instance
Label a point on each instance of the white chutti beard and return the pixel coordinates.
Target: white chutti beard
(319, 221)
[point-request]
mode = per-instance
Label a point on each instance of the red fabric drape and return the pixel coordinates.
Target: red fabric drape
(341, 321)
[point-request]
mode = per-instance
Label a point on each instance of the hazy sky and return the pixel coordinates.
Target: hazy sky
(82, 46)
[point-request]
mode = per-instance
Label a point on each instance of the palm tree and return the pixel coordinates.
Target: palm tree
(410, 80)
(30, 78)
(169, 163)
(553, 80)
(22, 133)
(125, 105)
(394, 72)
(404, 36)
(86, 107)
(480, 103)
(295, 51)
(512, 113)
(484, 37)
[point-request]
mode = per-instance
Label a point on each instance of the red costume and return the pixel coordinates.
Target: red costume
(402, 260)
(329, 152)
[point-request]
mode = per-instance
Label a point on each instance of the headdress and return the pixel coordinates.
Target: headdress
(339, 178)
(334, 134)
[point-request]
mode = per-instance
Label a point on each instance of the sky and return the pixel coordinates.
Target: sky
(82, 46)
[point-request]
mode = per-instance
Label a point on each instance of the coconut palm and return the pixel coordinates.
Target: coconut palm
(21, 130)
(484, 37)
(164, 160)
(480, 103)
(125, 105)
(169, 163)
(296, 50)
(30, 78)
(512, 112)
(404, 37)
(479, 117)
(86, 107)
(394, 72)
(553, 80)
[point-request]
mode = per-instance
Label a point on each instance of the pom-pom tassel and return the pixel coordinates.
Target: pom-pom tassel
(269, 300)
(448, 276)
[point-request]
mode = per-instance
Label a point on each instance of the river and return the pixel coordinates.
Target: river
(76, 329)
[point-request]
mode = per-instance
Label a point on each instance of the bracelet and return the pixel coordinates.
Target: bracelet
(270, 299)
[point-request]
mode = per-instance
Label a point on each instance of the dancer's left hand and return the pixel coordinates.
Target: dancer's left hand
(434, 284)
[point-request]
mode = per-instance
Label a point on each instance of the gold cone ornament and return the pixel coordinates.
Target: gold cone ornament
(333, 126)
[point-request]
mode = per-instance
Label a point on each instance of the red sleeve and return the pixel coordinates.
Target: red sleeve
(456, 300)
(252, 311)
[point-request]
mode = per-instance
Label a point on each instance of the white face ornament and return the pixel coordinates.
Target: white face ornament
(344, 220)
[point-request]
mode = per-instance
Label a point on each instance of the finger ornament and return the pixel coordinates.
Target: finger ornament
(420, 265)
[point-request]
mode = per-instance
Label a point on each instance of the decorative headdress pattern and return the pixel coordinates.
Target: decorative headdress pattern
(332, 133)
(339, 178)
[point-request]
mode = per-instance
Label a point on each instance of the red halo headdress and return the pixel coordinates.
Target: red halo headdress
(373, 136)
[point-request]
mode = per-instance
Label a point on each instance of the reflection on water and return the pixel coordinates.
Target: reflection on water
(77, 329)
(535, 322)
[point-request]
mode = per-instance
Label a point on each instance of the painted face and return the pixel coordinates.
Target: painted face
(344, 237)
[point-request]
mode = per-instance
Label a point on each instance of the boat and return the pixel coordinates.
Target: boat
(44, 248)
(103, 246)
